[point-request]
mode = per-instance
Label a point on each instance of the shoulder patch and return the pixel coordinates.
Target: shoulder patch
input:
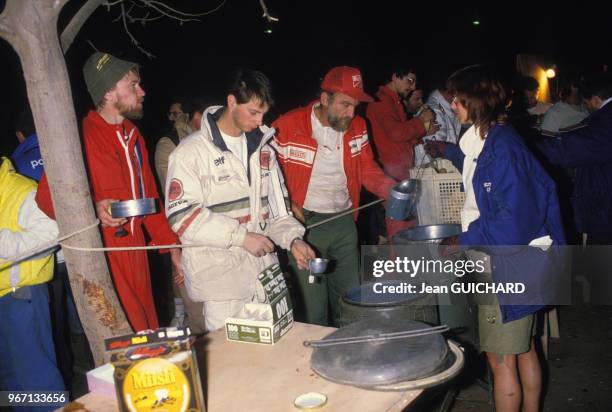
(264, 159)
(176, 190)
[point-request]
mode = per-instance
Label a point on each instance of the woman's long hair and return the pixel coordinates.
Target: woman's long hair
(481, 91)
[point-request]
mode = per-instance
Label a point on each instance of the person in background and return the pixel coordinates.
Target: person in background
(27, 158)
(450, 127)
(65, 320)
(567, 112)
(186, 311)
(394, 134)
(326, 156)
(509, 201)
(589, 150)
(414, 102)
(27, 355)
(531, 92)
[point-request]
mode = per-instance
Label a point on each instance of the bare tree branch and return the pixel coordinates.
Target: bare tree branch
(76, 23)
(154, 3)
(127, 17)
(265, 12)
(134, 41)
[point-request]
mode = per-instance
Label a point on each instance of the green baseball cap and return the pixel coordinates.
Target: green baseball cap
(102, 71)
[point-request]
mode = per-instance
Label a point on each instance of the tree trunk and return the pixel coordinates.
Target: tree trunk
(31, 28)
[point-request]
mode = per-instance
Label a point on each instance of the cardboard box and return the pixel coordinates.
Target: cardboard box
(101, 381)
(266, 322)
(156, 371)
(256, 324)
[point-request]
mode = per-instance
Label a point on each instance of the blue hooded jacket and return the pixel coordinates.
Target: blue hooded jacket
(27, 158)
(589, 150)
(518, 203)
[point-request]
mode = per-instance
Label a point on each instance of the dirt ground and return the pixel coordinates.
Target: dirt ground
(578, 372)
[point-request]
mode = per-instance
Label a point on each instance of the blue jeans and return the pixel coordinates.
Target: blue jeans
(27, 356)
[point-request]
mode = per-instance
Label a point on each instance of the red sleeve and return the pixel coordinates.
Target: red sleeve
(43, 197)
(373, 178)
(395, 128)
(157, 225)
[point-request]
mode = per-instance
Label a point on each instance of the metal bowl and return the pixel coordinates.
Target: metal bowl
(318, 265)
(131, 208)
(427, 234)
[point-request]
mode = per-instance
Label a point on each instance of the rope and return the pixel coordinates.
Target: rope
(60, 241)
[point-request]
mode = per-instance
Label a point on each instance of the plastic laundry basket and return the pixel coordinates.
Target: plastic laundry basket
(442, 195)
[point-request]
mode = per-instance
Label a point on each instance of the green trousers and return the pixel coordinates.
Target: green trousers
(336, 241)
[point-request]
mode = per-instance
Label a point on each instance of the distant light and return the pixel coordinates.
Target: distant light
(550, 73)
(268, 31)
(476, 22)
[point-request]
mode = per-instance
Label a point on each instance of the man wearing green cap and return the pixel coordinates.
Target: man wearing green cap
(118, 165)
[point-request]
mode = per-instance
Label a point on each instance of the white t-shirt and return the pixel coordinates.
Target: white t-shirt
(238, 146)
(327, 190)
(471, 145)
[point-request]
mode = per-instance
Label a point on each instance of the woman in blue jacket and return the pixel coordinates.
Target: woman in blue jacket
(510, 203)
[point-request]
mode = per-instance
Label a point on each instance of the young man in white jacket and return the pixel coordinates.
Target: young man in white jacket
(225, 192)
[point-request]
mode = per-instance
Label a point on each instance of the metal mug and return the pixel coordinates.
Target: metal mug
(403, 199)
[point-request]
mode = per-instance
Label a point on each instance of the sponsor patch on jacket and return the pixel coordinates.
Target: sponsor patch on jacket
(175, 191)
(220, 161)
(264, 159)
(357, 143)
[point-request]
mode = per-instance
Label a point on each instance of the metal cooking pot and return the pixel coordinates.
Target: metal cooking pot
(403, 199)
(380, 365)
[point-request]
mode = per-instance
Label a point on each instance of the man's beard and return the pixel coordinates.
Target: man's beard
(339, 124)
(133, 113)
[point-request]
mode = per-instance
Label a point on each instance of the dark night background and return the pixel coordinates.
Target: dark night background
(194, 59)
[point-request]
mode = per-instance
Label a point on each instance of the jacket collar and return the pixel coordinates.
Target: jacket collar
(99, 121)
(385, 93)
(255, 138)
(488, 151)
(305, 125)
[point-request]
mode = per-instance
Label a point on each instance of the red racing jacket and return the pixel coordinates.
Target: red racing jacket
(111, 176)
(297, 150)
(394, 134)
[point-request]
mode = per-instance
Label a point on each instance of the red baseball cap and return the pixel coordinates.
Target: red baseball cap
(346, 80)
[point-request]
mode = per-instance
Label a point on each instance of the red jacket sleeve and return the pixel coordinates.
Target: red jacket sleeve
(373, 178)
(43, 197)
(395, 128)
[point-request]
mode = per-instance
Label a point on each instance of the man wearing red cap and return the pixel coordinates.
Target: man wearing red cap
(324, 151)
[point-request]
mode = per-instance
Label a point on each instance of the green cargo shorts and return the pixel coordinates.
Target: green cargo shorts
(510, 338)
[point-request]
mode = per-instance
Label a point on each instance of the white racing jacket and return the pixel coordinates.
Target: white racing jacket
(212, 200)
